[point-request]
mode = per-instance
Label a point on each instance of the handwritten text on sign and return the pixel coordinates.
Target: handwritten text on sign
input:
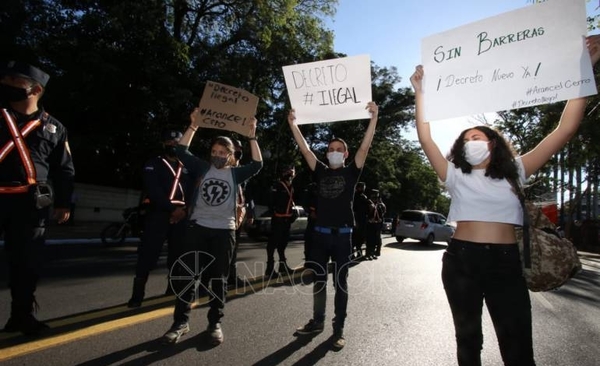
(531, 56)
(330, 90)
(224, 107)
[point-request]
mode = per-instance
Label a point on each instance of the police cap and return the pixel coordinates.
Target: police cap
(286, 168)
(21, 69)
(172, 135)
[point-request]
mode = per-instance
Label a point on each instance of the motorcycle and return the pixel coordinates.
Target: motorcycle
(116, 232)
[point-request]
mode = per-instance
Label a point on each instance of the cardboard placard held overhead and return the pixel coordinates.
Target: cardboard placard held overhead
(526, 57)
(330, 90)
(225, 107)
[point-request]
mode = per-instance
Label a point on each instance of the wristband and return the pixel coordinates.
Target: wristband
(252, 138)
(193, 128)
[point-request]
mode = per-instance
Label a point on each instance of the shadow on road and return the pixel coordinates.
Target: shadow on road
(416, 246)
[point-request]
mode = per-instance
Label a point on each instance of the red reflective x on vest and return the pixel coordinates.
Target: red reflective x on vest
(19, 142)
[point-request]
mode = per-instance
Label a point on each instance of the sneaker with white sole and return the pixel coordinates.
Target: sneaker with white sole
(311, 327)
(215, 334)
(177, 330)
(338, 340)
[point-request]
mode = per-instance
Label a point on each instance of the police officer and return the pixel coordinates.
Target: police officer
(33, 145)
(374, 226)
(282, 203)
(167, 187)
(361, 212)
(233, 280)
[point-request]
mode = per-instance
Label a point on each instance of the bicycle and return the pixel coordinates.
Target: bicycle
(116, 232)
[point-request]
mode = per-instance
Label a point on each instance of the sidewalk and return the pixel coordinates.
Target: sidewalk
(80, 230)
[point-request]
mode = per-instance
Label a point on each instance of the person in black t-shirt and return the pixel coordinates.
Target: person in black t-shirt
(361, 212)
(334, 222)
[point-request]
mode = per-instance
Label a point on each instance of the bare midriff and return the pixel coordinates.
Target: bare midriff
(485, 232)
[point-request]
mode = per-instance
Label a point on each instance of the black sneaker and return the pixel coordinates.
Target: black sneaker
(338, 341)
(177, 330)
(311, 327)
(134, 303)
(26, 324)
(215, 334)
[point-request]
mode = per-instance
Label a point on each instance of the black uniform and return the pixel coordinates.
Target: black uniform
(282, 202)
(159, 178)
(360, 206)
(22, 223)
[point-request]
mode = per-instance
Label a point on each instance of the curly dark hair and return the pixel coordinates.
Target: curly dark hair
(502, 155)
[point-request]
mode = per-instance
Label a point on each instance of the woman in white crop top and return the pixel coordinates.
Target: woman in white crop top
(482, 262)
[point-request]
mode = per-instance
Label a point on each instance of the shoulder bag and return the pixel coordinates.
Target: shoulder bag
(548, 261)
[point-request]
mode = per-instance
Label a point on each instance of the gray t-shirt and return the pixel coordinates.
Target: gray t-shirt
(215, 205)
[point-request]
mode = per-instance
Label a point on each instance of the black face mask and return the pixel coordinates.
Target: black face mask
(12, 94)
(170, 151)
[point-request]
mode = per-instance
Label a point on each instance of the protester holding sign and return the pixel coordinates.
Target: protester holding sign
(482, 261)
(333, 227)
(210, 233)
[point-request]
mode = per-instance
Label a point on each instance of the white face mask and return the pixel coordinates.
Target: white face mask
(336, 159)
(476, 151)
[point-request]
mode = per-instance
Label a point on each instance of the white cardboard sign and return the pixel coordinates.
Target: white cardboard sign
(531, 56)
(330, 90)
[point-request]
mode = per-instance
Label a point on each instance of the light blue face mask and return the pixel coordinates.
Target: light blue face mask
(476, 151)
(335, 158)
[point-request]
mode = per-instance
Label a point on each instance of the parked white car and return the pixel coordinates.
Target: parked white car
(261, 227)
(425, 226)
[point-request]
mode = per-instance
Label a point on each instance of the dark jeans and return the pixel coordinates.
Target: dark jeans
(280, 234)
(24, 228)
(157, 230)
(359, 235)
(339, 249)
(205, 261)
(474, 272)
(373, 238)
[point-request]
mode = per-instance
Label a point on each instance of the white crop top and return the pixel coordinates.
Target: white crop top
(475, 197)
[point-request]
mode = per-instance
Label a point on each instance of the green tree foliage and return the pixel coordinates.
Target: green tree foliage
(123, 71)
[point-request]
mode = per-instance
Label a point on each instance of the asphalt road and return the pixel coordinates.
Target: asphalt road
(397, 315)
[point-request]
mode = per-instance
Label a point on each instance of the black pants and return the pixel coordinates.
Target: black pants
(474, 272)
(205, 262)
(339, 249)
(359, 235)
(280, 234)
(24, 228)
(373, 238)
(157, 230)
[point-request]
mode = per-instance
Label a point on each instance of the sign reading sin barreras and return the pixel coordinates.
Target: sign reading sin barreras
(531, 56)
(330, 90)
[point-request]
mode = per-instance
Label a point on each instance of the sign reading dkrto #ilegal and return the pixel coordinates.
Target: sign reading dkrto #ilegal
(531, 56)
(330, 90)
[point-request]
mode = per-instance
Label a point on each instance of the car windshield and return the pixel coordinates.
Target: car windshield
(412, 216)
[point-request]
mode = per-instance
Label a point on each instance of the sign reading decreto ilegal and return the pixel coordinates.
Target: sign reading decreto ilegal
(224, 107)
(330, 90)
(527, 57)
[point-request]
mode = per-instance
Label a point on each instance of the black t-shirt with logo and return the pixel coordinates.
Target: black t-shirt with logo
(335, 189)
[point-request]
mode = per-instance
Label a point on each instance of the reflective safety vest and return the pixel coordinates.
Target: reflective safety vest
(18, 141)
(176, 184)
(290, 204)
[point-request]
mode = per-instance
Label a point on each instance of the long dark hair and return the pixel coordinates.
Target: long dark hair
(502, 155)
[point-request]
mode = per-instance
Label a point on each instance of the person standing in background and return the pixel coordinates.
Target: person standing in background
(33, 147)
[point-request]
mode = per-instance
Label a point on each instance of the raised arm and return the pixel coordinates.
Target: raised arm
(432, 151)
(309, 156)
(189, 133)
(567, 126)
(363, 150)
(254, 148)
